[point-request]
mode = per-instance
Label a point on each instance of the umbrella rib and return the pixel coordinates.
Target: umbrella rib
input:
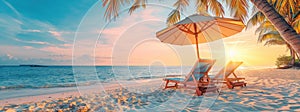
(187, 30)
(219, 32)
(189, 26)
(176, 38)
(166, 36)
(167, 31)
(203, 29)
(207, 35)
(229, 28)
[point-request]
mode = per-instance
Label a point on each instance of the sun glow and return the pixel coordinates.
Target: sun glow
(233, 54)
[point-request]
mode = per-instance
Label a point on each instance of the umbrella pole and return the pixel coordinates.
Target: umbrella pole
(197, 47)
(196, 36)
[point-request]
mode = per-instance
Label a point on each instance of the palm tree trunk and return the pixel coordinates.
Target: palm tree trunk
(292, 53)
(286, 31)
(293, 57)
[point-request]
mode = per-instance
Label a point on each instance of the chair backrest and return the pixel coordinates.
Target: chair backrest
(228, 69)
(231, 67)
(200, 68)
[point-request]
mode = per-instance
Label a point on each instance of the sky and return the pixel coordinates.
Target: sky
(61, 32)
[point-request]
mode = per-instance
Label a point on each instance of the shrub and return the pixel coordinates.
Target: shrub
(283, 61)
(297, 63)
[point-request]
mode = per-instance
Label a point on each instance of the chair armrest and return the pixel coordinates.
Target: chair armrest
(235, 79)
(217, 79)
(174, 75)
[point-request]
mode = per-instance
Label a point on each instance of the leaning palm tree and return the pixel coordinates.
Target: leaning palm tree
(287, 32)
(267, 31)
(238, 9)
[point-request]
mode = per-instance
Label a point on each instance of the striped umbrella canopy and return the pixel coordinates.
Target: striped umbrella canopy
(196, 29)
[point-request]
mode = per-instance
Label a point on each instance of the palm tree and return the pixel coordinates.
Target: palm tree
(287, 32)
(269, 35)
(238, 8)
(267, 31)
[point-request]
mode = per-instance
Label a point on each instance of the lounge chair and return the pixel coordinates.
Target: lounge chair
(226, 72)
(194, 79)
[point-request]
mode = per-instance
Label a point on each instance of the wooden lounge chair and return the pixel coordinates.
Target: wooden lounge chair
(195, 78)
(226, 72)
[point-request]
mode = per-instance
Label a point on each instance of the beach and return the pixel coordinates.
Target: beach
(267, 90)
(150, 56)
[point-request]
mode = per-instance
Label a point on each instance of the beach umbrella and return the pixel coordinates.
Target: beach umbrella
(196, 29)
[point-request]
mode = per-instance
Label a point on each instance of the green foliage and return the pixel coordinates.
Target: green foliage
(283, 60)
(297, 61)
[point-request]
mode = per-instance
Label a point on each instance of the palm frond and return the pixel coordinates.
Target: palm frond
(216, 7)
(269, 35)
(173, 17)
(238, 8)
(181, 4)
(264, 27)
(202, 9)
(112, 8)
(296, 26)
(274, 42)
(137, 4)
(256, 19)
(296, 16)
(292, 5)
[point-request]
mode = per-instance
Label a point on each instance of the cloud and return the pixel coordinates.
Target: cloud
(41, 38)
(28, 47)
(31, 30)
(11, 7)
(19, 29)
(55, 33)
(57, 50)
(6, 60)
(115, 29)
(33, 42)
(121, 35)
(30, 55)
(9, 56)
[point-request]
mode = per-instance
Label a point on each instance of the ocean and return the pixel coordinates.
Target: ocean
(20, 81)
(18, 77)
(24, 79)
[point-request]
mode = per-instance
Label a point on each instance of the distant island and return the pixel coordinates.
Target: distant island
(33, 65)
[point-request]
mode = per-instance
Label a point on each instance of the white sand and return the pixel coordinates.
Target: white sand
(267, 90)
(82, 90)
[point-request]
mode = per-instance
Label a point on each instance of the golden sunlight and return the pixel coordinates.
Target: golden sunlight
(233, 54)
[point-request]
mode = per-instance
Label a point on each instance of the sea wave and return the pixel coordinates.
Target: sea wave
(49, 85)
(74, 84)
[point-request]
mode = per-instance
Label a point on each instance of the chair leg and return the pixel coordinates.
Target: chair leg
(198, 92)
(229, 85)
(176, 85)
(218, 91)
(166, 86)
